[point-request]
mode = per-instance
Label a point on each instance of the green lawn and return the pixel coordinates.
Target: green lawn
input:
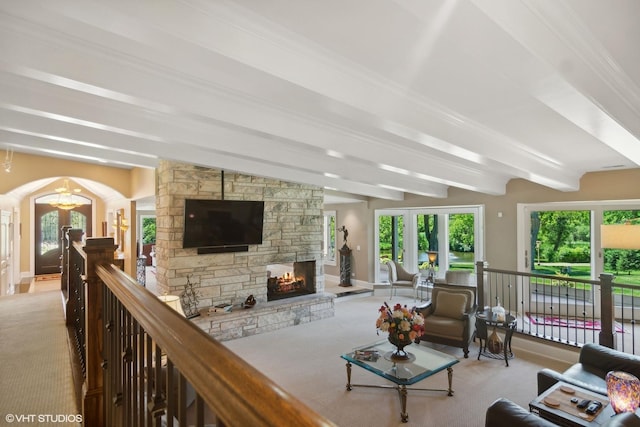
(584, 272)
(581, 271)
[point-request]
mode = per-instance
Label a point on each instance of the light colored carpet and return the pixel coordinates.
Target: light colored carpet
(35, 368)
(35, 365)
(305, 361)
(44, 285)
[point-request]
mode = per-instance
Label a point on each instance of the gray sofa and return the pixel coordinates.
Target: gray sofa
(505, 413)
(592, 367)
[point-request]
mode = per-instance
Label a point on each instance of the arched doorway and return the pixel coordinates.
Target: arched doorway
(48, 223)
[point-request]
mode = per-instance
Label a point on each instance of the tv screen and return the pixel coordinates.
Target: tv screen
(211, 223)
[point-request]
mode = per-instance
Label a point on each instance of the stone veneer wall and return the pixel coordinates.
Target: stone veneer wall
(267, 317)
(293, 225)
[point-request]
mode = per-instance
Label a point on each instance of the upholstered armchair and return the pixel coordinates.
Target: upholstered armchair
(399, 277)
(449, 318)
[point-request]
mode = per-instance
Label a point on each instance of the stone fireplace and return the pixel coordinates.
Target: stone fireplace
(293, 230)
(287, 281)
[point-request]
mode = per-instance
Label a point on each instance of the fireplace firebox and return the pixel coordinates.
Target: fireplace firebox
(287, 281)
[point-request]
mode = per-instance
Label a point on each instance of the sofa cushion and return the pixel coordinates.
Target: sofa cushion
(581, 374)
(403, 283)
(599, 360)
(444, 327)
(450, 304)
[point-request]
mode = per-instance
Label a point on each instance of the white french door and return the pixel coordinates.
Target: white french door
(405, 235)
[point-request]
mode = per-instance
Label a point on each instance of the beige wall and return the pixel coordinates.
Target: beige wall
(27, 168)
(500, 233)
(354, 216)
(135, 184)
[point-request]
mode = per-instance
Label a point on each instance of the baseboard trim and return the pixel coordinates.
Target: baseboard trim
(336, 279)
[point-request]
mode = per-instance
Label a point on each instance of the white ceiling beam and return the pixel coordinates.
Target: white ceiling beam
(585, 69)
(220, 139)
(313, 72)
(358, 147)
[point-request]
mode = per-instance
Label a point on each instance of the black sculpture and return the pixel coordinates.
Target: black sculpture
(344, 230)
(345, 260)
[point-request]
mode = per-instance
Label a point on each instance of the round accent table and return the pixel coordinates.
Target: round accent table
(486, 320)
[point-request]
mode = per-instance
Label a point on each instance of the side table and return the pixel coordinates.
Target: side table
(486, 319)
(555, 405)
(423, 284)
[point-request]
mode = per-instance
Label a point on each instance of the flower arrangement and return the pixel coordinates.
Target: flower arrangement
(402, 324)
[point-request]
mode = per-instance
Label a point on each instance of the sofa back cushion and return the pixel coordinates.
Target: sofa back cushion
(450, 304)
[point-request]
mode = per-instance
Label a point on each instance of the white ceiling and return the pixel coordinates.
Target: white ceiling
(369, 97)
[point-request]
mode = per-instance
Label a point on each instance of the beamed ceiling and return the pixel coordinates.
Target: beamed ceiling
(373, 98)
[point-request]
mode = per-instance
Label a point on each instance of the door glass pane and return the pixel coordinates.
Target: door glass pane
(49, 232)
(461, 242)
(391, 230)
(329, 238)
(427, 240)
(561, 243)
(391, 241)
(78, 220)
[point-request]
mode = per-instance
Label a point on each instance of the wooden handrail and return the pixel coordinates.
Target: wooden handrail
(234, 390)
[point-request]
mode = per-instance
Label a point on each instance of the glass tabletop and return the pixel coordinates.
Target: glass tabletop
(423, 363)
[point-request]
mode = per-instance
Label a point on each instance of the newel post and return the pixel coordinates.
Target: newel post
(480, 284)
(606, 310)
(69, 283)
(64, 263)
(98, 251)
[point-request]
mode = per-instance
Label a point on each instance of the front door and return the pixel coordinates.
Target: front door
(48, 223)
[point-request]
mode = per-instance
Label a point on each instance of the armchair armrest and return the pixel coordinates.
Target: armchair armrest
(469, 314)
(547, 378)
(415, 280)
(425, 309)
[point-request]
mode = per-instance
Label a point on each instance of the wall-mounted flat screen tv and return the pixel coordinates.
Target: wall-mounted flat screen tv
(216, 223)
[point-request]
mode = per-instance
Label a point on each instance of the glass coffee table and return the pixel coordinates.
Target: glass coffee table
(422, 363)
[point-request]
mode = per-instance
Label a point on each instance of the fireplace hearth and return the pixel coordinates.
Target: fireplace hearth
(287, 281)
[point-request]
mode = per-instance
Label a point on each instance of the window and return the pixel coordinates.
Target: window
(148, 229)
(561, 242)
(564, 238)
(407, 235)
(329, 248)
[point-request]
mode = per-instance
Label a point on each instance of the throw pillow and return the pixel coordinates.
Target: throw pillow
(450, 304)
